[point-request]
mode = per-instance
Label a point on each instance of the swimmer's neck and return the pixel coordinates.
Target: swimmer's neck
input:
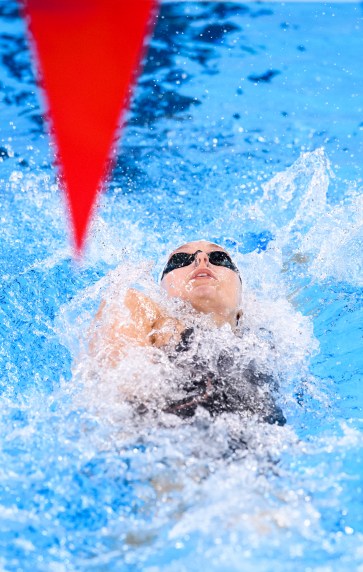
(221, 319)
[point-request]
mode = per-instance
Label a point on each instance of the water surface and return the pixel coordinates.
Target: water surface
(246, 129)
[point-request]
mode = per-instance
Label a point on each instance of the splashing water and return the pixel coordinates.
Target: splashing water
(189, 480)
(86, 482)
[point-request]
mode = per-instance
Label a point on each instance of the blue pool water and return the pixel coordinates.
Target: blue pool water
(245, 128)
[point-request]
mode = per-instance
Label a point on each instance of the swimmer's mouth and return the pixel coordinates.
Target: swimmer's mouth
(204, 273)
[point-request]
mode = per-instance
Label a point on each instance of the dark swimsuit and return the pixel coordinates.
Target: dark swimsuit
(220, 392)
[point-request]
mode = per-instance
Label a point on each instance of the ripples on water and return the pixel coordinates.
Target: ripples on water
(223, 142)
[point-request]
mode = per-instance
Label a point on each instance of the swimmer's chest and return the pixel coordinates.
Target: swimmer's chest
(220, 379)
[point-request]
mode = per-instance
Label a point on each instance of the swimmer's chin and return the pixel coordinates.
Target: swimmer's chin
(200, 287)
(202, 291)
(201, 281)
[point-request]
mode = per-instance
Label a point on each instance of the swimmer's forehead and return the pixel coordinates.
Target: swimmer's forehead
(191, 247)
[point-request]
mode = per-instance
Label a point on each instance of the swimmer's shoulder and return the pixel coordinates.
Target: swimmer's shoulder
(156, 316)
(142, 307)
(148, 322)
(138, 304)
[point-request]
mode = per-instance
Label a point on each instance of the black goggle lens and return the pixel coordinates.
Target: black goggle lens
(219, 258)
(180, 259)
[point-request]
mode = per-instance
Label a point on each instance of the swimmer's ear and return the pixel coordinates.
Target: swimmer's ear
(239, 316)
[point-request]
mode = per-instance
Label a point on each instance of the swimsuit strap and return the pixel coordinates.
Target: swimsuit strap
(185, 340)
(186, 407)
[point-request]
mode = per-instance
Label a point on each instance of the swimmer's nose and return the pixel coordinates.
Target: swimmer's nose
(202, 259)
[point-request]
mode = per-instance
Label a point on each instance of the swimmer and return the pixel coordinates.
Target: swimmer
(200, 273)
(203, 275)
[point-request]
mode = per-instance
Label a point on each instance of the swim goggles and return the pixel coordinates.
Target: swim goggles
(216, 257)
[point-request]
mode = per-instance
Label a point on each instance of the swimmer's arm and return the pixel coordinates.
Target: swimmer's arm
(112, 330)
(111, 333)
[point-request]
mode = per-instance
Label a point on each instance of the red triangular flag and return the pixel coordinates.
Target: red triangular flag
(89, 52)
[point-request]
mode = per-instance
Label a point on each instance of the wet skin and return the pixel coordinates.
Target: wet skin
(210, 289)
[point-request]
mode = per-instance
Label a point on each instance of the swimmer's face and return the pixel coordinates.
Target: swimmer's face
(208, 287)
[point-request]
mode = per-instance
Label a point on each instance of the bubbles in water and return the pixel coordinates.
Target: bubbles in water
(195, 476)
(94, 474)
